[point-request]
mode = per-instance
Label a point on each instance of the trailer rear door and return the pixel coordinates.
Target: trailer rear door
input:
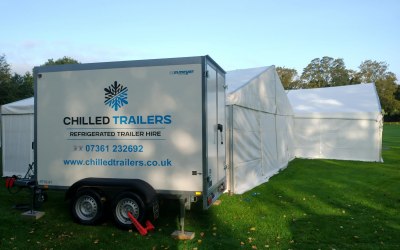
(215, 174)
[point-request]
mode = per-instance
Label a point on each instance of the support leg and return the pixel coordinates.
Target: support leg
(182, 212)
(32, 213)
(181, 234)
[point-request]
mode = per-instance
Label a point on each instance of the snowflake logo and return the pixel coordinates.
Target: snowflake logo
(116, 96)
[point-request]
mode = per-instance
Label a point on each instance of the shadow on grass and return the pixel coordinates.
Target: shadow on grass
(345, 232)
(341, 205)
(58, 231)
(210, 231)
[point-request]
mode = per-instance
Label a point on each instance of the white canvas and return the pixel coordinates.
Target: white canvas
(259, 127)
(342, 123)
(17, 136)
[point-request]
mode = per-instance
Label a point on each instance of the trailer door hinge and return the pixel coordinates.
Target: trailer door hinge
(206, 73)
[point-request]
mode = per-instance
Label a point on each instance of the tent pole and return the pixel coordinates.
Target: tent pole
(231, 164)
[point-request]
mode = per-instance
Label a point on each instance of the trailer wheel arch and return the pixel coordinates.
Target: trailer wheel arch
(138, 186)
(71, 192)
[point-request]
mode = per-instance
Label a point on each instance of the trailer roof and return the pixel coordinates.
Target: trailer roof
(127, 64)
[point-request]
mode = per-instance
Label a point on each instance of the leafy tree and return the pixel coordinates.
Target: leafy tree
(397, 94)
(23, 85)
(339, 74)
(386, 89)
(289, 78)
(372, 71)
(14, 87)
(325, 72)
(5, 71)
(354, 77)
(385, 82)
(6, 90)
(61, 61)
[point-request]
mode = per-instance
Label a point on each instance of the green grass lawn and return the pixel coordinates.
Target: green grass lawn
(312, 204)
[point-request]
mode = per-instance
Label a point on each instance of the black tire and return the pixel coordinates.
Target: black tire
(87, 207)
(124, 202)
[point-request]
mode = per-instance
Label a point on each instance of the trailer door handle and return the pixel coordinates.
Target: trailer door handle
(220, 127)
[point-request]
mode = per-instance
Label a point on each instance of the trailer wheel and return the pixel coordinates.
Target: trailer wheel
(86, 207)
(127, 202)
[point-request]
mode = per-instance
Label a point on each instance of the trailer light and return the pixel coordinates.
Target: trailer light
(198, 193)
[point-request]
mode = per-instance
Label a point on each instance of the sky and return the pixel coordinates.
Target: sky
(236, 34)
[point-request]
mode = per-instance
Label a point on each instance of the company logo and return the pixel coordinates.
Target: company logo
(181, 72)
(116, 96)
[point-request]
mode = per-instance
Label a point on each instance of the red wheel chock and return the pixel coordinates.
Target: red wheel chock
(149, 226)
(10, 182)
(143, 231)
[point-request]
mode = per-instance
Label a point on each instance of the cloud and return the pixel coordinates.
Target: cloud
(30, 44)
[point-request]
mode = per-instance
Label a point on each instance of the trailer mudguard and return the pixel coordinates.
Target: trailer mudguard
(142, 188)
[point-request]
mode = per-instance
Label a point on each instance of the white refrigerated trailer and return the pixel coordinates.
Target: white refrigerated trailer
(122, 133)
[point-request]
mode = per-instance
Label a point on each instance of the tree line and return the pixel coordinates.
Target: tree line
(319, 73)
(14, 87)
